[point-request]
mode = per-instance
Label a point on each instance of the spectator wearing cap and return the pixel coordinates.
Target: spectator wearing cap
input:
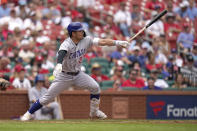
(22, 9)
(135, 55)
(32, 22)
(191, 11)
(97, 74)
(4, 9)
(21, 82)
(35, 93)
(185, 38)
(158, 81)
(171, 29)
(181, 11)
(151, 86)
(133, 81)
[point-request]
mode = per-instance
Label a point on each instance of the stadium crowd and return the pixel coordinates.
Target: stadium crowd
(163, 57)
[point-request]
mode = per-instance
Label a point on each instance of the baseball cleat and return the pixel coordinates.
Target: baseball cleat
(27, 116)
(99, 114)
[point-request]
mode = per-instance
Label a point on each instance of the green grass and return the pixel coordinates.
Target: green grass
(99, 125)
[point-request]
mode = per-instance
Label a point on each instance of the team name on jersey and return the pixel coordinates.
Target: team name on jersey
(77, 53)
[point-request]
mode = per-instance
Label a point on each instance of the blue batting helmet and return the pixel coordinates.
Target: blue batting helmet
(75, 26)
(39, 77)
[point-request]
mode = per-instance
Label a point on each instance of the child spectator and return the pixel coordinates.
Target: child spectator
(179, 82)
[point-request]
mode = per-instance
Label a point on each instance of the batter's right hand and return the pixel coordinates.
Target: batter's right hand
(124, 44)
(58, 69)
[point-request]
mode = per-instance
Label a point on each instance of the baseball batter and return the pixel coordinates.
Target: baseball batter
(67, 71)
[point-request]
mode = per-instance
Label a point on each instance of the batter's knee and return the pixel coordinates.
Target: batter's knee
(46, 100)
(95, 89)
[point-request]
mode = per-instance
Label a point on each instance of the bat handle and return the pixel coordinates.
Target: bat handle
(139, 32)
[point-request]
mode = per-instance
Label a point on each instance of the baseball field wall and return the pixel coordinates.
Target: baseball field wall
(117, 105)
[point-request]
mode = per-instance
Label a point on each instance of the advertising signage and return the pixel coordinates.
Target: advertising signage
(171, 107)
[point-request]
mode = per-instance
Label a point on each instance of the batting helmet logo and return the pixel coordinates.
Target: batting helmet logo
(75, 26)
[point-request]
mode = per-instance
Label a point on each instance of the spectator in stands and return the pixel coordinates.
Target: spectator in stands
(163, 44)
(3, 84)
(47, 63)
(133, 80)
(158, 81)
(191, 11)
(117, 85)
(179, 82)
(86, 4)
(97, 74)
(4, 9)
(135, 13)
(151, 86)
(14, 21)
(118, 54)
(113, 27)
(22, 9)
(123, 18)
(150, 63)
(156, 29)
(118, 74)
(181, 11)
(21, 81)
(172, 29)
(25, 53)
(186, 38)
(35, 93)
(194, 52)
(52, 12)
(4, 61)
(134, 57)
(152, 5)
(32, 22)
(5, 30)
(189, 71)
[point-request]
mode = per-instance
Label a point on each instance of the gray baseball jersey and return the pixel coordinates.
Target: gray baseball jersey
(75, 53)
(72, 63)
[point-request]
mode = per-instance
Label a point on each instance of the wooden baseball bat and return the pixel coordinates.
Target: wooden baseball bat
(149, 24)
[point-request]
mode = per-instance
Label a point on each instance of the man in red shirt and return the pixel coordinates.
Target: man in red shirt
(97, 74)
(171, 29)
(133, 80)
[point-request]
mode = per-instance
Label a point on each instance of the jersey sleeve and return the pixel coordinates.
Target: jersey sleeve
(92, 41)
(64, 46)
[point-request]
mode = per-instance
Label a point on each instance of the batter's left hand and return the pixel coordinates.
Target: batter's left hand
(124, 44)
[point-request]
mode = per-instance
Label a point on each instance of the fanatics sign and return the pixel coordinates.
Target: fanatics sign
(171, 107)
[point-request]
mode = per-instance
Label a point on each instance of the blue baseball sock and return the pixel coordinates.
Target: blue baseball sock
(97, 96)
(36, 106)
